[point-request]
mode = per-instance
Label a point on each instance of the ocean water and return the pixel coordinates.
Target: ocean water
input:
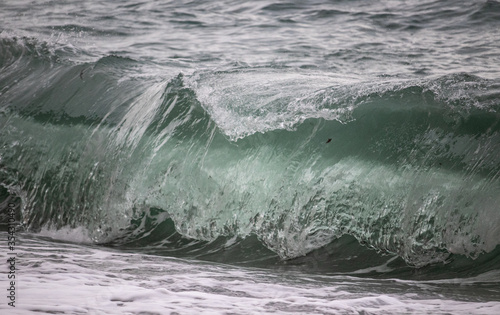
(231, 157)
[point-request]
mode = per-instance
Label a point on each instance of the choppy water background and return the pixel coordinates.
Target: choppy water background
(323, 157)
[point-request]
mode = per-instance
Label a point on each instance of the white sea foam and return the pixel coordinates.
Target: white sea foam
(77, 235)
(75, 279)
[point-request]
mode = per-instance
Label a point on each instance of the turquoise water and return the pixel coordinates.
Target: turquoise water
(327, 139)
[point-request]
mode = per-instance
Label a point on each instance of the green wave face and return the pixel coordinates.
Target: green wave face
(297, 159)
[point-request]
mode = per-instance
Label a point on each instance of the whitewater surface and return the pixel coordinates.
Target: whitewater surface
(61, 278)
